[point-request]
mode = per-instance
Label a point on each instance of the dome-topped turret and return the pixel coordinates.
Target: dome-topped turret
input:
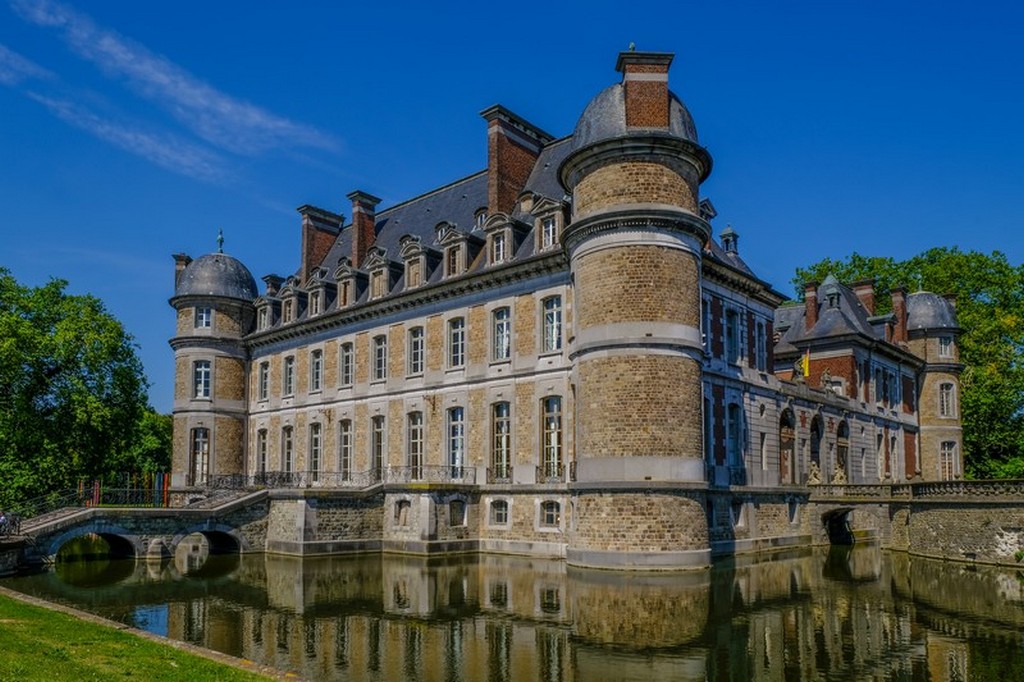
(605, 119)
(217, 274)
(926, 310)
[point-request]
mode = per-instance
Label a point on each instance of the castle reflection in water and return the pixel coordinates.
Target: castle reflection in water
(863, 614)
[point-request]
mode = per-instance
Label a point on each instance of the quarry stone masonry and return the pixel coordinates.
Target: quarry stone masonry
(556, 356)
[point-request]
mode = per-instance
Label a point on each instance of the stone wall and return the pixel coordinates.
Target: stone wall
(633, 183)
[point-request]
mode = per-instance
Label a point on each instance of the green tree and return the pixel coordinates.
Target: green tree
(72, 389)
(989, 295)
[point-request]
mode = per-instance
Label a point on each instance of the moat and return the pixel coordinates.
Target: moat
(840, 614)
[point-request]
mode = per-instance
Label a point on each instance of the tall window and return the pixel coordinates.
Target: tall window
(948, 460)
(201, 379)
(263, 318)
(498, 251)
(548, 233)
(204, 317)
(705, 321)
(288, 380)
(377, 445)
(380, 358)
(288, 310)
(345, 364)
(345, 449)
(416, 350)
(947, 400)
(552, 340)
(263, 381)
(456, 440)
(315, 450)
(456, 342)
(199, 470)
(761, 351)
(316, 370)
(414, 273)
(414, 445)
(287, 450)
(501, 447)
(314, 303)
(261, 451)
(945, 346)
(501, 334)
(733, 434)
(552, 437)
(732, 336)
(452, 261)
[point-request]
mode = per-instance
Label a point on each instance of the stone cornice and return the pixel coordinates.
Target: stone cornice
(642, 217)
(724, 273)
(662, 148)
(232, 346)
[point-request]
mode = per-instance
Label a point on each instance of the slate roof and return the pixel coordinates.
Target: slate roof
(926, 310)
(605, 119)
(217, 274)
(840, 313)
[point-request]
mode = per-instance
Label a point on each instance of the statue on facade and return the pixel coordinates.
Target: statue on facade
(840, 476)
(814, 474)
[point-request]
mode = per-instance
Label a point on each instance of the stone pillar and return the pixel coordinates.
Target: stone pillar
(635, 245)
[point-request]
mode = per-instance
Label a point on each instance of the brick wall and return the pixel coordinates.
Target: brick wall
(634, 182)
(639, 522)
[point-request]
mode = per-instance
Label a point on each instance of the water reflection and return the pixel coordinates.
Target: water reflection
(848, 613)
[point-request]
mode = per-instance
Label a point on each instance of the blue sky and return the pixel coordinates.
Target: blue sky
(135, 130)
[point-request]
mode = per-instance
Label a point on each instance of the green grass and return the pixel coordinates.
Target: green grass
(39, 644)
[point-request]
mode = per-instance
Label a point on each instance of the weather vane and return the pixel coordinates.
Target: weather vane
(632, 47)
(220, 241)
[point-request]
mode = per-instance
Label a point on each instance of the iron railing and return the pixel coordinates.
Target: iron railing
(347, 479)
(501, 473)
(551, 473)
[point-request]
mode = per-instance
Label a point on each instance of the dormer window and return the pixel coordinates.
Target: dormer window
(314, 303)
(288, 312)
(377, 284)
(345, 296)
(414, 273)
(453, 261)
(548, 233)
(499, 247)
(480, 218)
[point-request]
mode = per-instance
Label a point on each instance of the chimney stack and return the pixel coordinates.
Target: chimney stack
(811, 304)
(273, 283)
(899, 311)
(181, 261)
(865, 290)
(513, 145)
(645, 80)
(364, 225)
(320, 229)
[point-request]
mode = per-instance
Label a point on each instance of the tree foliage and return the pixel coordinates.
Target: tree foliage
(989, 295)
(72, 392)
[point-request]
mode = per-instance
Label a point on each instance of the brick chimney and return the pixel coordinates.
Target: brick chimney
(645, 78)
(865, 290)
(273, 283)
(320, 229)
(513, 145)
(899, 311)
(181, 261)
(364, 225)
(811, 304)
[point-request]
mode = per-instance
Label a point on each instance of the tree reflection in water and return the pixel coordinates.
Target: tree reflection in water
(851, 613)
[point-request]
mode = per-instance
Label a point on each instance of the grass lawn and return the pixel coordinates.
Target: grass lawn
(40, 644)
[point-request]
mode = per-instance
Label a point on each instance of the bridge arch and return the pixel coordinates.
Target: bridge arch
(223, 539)
(123, 543)
(843, 523)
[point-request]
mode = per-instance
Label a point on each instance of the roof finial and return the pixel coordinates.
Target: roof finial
(632, 47)
(220, 241)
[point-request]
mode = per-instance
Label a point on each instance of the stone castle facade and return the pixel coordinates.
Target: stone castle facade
(555, 356)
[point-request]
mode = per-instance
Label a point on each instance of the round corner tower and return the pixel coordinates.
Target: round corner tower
(634, 246)
(213, 297)
(933, 334)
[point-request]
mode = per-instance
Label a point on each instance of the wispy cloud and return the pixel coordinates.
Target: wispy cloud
(167, 151)
(217, 117)
(14, 68)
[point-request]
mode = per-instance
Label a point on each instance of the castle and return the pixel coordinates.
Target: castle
(553, 357)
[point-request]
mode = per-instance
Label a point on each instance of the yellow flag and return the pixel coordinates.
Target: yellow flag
(807, 362)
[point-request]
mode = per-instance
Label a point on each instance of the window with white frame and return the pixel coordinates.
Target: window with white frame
(456, 342)
(548, 233)
(261, 451)
(345, 449)
(550, 514)
(345, 359)
(380, 357)
(501, 334)
(499, 248)
(315, 450)
(499, 513)
(945, 346)
(414, 445)
(288, 376)
(263, 381)
(414, 273)
(377, 443)
(199, 456)
(201, 376)
(287, 311)
(263, 318)
(551, 455)
(416, 351)
(552, 324)
(456, 440)
(204, 317)
(948, 460)
(453, 261)
(947, 400)
(481, 217)
(316, 370)
(501, 443)
(287, 449)
(314, 303)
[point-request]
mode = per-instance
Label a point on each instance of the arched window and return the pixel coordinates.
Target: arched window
(843, 448)
(816, 434)
(787, 447)
(199, 456)
(501, 334)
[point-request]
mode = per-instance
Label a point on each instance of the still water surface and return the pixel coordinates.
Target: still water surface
(844, 614)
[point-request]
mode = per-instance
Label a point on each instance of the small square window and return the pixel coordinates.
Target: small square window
(204, 317)
(499, 513)
(945, 346)
(550, 514)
